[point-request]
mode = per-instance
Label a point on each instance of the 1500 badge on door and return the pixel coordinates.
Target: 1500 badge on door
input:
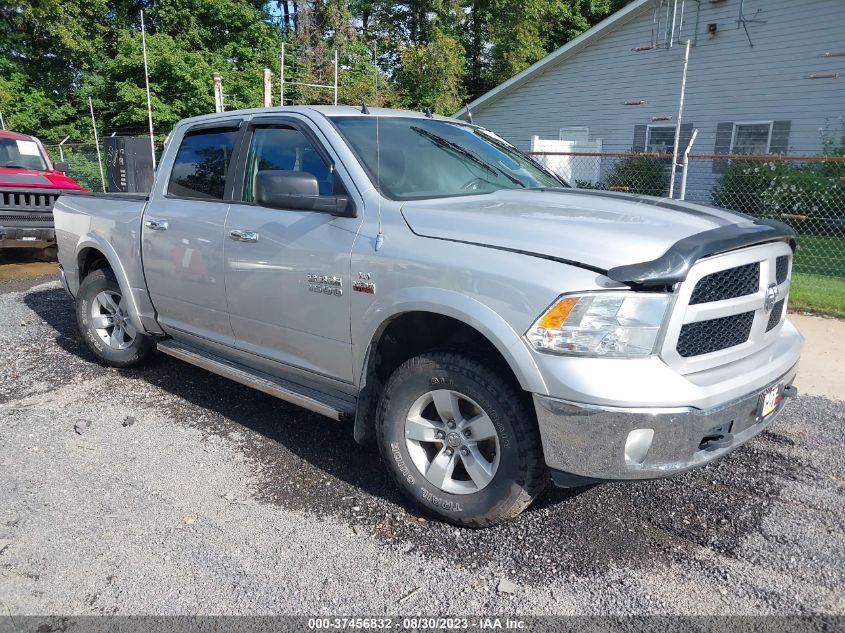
(325, 284)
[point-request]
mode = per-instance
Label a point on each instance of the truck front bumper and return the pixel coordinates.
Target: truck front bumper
(587, 443)
(27, 237)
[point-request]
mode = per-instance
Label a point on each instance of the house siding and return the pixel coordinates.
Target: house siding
(728, 80)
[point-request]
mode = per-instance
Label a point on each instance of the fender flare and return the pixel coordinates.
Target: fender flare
(461, 307)
(449, 303)
(104, 247)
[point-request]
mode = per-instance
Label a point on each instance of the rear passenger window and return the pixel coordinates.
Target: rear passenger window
(199, 170)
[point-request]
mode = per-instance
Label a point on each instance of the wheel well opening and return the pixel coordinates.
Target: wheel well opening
(414, 333)
(90, 259)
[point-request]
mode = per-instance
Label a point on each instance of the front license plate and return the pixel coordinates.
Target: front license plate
(769, 401)
(29, 238)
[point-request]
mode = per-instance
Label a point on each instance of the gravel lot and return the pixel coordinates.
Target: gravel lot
(169, 490)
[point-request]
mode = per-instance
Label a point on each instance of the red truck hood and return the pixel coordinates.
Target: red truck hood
(17, 177)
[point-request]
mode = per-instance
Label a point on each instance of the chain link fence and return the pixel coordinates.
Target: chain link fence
(83, 164)
(806, 192)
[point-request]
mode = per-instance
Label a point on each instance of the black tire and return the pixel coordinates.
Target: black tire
(136, 352)
(521, 474)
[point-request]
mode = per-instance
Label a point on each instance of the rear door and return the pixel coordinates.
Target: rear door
(288, 287)
(182, 236)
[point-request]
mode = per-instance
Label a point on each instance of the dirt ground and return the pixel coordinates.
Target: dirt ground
(822, 368)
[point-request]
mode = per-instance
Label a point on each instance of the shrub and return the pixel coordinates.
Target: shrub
(645, 175)
(811, 196)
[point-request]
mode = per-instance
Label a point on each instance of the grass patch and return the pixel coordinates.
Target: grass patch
(818, 255)
(816, 293)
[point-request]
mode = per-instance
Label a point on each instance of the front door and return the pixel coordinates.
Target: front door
(288, 271)
(183, 239)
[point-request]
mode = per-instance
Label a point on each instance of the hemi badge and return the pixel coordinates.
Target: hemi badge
(365, 287)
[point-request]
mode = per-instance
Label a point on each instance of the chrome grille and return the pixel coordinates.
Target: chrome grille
(704, 337)
(727, 284)
(730, 306)
(782, 268)
(776, 315)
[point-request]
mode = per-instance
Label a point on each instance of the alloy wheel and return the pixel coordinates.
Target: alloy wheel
(452, 441)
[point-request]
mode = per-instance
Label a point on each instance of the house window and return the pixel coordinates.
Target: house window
(660, 139)
(751, 138)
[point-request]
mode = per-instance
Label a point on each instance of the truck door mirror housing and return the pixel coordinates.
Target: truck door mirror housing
(297, 190)
(61, 166)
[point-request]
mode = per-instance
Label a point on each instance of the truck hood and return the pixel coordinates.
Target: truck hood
(17, 177)
(598, 230)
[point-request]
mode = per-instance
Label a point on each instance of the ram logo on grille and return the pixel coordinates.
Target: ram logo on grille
(772, 295)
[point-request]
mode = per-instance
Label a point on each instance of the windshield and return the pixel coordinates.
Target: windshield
(426, 158)
(22, 153)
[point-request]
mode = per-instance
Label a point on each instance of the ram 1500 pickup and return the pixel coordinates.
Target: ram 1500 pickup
(29, 185)
(491, 328)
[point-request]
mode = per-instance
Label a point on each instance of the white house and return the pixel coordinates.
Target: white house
(764, 76)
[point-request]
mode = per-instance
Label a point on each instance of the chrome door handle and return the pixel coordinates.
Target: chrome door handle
(156, 224)
(243, 236)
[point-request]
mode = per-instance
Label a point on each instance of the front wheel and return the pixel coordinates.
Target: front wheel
(460, 440)
(103, 319)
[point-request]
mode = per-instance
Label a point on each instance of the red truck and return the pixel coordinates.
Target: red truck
(30, 183)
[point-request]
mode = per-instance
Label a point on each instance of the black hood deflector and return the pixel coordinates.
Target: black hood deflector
(674, 265)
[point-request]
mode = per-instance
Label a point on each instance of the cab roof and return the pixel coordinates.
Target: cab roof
(15, 135)
(325, 110)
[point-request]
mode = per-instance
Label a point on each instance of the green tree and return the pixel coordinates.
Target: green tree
(524, 31)
(431, 74)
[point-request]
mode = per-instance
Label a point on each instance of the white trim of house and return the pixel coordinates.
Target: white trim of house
(570, 48)
(736, 124)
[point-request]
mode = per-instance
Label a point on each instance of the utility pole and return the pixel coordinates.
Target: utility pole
(218, 91)
(282, 76)
(335, 76)
(678, 123)
(268, 88)
(61, 149)
(147, 83)
(97, 143)
(2, 122)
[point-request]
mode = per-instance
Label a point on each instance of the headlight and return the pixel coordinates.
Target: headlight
(601, 324)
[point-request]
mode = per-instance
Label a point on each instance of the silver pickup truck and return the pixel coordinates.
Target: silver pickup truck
(489, 327)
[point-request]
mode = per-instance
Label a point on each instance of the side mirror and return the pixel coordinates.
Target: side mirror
(61, 166)
(297, 190)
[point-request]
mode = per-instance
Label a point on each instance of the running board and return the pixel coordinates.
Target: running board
(332, 407)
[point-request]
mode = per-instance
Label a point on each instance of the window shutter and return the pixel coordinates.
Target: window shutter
(780, 137)
(639, 138)
(724, 134)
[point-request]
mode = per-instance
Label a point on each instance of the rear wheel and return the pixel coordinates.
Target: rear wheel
(460, 440)
(103, 318)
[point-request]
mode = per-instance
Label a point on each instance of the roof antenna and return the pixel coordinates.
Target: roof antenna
(469, 114)
(364, 108)
(379, 235)
(427, 112)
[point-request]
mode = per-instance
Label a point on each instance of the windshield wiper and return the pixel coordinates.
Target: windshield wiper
(450, 145)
